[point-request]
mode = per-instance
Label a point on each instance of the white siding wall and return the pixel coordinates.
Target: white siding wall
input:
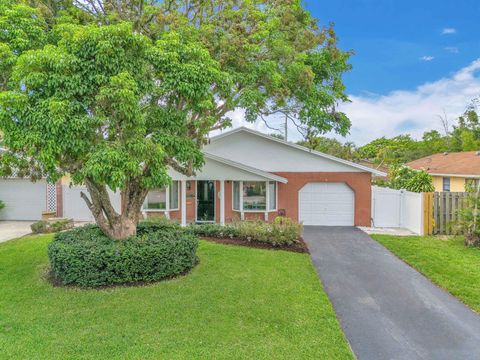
(269, 155)
(397, 209)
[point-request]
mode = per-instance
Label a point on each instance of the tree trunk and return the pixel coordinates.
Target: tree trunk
(117, 226)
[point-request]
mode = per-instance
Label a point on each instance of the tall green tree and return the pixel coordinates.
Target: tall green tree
(331, 146)
(22, 28)
(117, 102)
(466, 133)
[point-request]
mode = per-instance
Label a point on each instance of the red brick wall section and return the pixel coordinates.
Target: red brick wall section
(177, 214)
(229, 213)
(359, 182)
(59, 195)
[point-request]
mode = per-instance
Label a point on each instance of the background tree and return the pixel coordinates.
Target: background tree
(466, 133)
(115, 104)
(331, 146)
(402, 177)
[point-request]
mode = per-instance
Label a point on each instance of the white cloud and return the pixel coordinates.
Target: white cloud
(398, 112)
(427, 58)
(452, 49)
(413, 111)
(449, 31)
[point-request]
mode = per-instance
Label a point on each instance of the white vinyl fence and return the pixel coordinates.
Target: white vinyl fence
(74, 206)
(397, 209)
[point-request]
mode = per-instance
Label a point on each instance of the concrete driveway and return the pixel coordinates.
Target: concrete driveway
(13, 229)
(387, 309)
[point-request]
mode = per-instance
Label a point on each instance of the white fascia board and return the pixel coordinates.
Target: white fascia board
(302, 148)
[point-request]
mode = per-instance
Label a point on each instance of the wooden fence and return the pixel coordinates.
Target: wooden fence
(441, 209)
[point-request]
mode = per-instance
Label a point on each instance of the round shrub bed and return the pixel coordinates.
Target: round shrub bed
(86, 257)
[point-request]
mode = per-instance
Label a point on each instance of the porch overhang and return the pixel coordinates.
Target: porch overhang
(218, 168)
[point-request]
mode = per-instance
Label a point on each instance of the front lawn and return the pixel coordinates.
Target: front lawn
(447, 262)
(237, 303)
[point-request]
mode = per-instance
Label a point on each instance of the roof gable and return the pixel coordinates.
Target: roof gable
(270, 154)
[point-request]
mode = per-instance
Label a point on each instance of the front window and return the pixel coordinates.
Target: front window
(236, 195)
(157, 198)
(446, 184)
(174, 195)
(254, 195)
(272, 195)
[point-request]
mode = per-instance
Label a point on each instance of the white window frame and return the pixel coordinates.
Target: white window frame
(178, 196)
(267, 197)
(167, 201)
(276, 195)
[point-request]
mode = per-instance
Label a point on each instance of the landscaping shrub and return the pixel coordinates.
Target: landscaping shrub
(39, 227)
(215, 230)
(49, 226)
(468, 217)
(156, 224)
(283, 231)
(86, 257)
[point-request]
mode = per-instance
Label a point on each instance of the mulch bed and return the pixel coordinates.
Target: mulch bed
(299, 247)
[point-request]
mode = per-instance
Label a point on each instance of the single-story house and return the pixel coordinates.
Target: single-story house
(246, 175)
(451, 171)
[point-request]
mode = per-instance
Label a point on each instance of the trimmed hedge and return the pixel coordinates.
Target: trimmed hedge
(86, 257)
(282, 231)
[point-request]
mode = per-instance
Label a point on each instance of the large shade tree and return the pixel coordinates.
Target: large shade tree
(114, 93)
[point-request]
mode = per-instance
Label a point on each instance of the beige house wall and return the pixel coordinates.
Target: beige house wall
(457, 184)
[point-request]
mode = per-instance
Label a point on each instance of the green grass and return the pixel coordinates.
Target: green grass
(447, 262)
(237, 303)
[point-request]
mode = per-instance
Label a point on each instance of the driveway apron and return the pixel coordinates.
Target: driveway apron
(386, 308)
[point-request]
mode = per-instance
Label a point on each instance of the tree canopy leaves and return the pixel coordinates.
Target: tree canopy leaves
(116, 92)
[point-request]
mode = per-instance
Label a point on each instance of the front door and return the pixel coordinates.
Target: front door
(205, 201)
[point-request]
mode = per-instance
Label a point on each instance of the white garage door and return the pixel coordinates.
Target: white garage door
(24, 200)
(329, 204)
(74, 206)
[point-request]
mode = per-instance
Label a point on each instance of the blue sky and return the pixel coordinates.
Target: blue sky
(413, 62)
(395, 40)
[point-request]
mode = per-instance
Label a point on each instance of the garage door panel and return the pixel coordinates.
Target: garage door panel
(24, 200)
(327, 204)
(74, 206)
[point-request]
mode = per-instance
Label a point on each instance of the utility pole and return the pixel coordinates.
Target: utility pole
(286, 127)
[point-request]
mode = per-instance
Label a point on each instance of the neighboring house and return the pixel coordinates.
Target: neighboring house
(250, 175)
(451, 171)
